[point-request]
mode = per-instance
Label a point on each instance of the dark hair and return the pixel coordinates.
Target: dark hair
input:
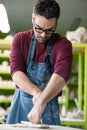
(47, 8)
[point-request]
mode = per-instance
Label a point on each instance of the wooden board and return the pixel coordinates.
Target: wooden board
(27, 127)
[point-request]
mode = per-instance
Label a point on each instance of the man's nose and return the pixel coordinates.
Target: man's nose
(43, 34)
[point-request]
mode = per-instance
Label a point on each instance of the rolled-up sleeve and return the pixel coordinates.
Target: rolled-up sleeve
(17, 62)
(64, 57)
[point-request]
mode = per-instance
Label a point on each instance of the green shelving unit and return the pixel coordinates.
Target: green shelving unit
(5, 90)
(81, 51)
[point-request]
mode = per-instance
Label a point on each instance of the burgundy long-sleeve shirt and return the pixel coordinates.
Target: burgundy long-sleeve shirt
(61, 54)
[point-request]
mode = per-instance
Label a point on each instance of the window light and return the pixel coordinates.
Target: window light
(4, 24)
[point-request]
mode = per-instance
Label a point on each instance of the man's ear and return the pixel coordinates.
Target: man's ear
(33, 18)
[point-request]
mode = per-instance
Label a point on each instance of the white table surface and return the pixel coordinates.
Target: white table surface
(51, 127)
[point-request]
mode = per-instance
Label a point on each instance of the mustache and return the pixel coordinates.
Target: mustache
(46, 38)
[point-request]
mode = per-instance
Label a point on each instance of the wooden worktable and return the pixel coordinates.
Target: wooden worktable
(11, 127)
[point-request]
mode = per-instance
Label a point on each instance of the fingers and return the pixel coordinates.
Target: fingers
(34, 119)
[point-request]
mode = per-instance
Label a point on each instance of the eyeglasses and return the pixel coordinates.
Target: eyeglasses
(41, 30)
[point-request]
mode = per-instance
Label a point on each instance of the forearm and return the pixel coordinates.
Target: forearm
(23, 82)
(54, 87)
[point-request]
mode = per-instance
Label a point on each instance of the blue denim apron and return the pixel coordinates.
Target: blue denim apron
(39, 74)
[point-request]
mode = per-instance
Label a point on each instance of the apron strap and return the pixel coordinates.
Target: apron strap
(48, 57)
(32, 47)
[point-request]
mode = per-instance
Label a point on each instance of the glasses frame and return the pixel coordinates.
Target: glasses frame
(41, 30)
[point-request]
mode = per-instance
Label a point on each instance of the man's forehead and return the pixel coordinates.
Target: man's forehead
(43, 22)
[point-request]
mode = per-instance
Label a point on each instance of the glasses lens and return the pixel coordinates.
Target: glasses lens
(39, 30)
(47, 31)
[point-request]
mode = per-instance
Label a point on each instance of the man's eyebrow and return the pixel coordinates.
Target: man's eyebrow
(37, 25)
(46, 29)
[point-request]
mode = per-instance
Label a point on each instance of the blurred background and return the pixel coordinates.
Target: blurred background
(19, 12)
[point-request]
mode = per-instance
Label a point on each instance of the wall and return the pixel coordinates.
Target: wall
(71, 12)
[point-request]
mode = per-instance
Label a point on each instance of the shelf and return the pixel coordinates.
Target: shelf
(1, 121)
(72, 85)
(5, 101)
(7, 87)
(4, 56)
(4, 72)
(72, 122)
(62, 102)
(5, 44)
(7, 90)
(5, 75)
(74, 74)
(79, 46)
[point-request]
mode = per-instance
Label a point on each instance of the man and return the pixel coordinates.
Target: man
(41, 63)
